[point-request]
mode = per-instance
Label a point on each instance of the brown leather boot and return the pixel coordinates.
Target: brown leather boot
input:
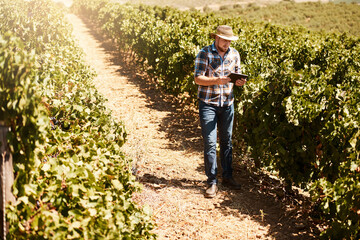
(211, 191)
(231, 183)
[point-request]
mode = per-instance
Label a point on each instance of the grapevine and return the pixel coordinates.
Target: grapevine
(72, 180)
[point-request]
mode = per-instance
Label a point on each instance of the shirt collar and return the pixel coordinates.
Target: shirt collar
(213, 48)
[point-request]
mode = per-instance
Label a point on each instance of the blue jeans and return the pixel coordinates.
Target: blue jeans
(211, 118)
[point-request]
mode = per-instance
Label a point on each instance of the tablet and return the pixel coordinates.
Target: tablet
(236, 76)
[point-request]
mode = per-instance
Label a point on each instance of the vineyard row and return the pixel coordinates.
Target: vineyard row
(71, 179)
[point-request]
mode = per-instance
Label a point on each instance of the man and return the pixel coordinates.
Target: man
(216, 109)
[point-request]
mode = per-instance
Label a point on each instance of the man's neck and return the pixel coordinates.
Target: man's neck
(222, 54)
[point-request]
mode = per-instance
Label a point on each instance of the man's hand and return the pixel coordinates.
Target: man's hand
(240, 82)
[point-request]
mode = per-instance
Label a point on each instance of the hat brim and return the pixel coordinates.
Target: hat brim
(233, 38)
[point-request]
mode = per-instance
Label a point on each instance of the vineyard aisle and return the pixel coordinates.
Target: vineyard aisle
(166, 146)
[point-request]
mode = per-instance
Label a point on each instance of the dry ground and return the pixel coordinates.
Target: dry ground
(164, 142)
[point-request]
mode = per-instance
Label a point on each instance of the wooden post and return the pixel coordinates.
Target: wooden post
(7, 178)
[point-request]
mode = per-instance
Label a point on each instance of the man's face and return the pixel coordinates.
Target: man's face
(221, 44)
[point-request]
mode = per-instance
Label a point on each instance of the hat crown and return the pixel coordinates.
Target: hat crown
(225, 32)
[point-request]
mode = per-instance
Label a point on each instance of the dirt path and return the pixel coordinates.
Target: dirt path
(164, 141)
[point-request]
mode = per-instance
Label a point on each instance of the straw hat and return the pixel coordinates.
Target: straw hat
(225, 32)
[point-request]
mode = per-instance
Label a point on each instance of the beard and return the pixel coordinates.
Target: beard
(222, 49)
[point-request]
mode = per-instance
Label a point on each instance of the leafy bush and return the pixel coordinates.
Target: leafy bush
(299, 115)
(20, 109)
(72, 181)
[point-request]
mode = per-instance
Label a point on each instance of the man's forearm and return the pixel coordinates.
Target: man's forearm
(209, 81)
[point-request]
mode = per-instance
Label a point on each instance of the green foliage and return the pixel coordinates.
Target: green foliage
(20, 105)
(298, 114)
(73, 181)
(329, 17)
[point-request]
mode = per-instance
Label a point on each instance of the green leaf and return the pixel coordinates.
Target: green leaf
(117, 184)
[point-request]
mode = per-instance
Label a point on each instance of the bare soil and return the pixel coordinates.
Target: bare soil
(165, 144)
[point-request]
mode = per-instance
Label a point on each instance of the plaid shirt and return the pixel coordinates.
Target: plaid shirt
(209, 63)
